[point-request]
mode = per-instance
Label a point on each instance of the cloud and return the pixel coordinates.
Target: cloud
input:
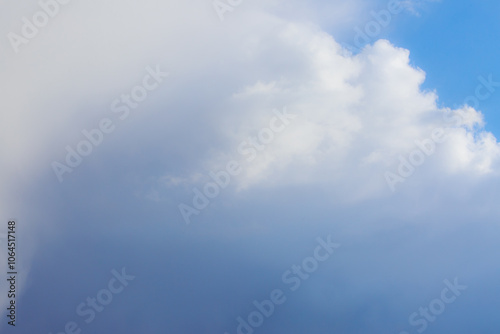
(414, 6)
(355, 115)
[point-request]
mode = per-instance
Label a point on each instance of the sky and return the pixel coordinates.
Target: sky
(249, 167)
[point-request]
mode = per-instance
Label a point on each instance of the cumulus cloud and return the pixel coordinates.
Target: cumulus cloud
(355, 114)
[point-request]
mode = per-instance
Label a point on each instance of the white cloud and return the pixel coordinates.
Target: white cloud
(357, 114)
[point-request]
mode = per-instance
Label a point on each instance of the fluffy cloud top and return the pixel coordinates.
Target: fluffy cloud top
(355, 116)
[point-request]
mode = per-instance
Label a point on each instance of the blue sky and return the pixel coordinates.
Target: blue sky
(184, 168)
(455, 42)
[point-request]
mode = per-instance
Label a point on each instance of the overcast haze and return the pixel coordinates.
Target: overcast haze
(251, 166)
